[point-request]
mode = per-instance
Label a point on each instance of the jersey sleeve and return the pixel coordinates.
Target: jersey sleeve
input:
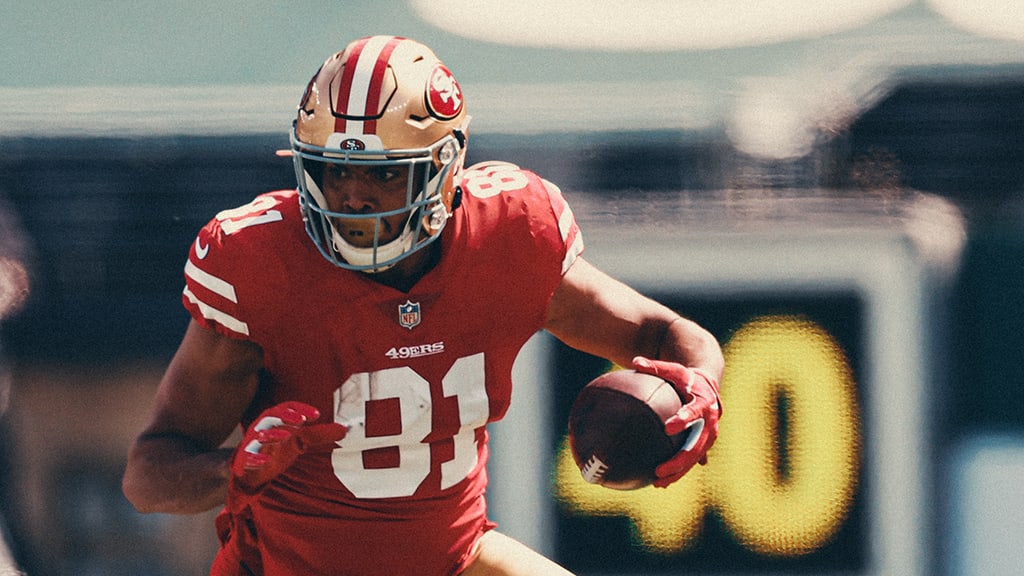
(210, 299)
(552, 224)
(568, 228)
(221, 277)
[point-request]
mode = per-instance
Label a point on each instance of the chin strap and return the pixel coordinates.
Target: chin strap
(367, 258)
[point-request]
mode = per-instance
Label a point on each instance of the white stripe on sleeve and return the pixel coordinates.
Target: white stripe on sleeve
(211, 282)
(219, 316)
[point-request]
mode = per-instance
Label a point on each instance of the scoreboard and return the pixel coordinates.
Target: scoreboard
(784, 486)
(828, 313)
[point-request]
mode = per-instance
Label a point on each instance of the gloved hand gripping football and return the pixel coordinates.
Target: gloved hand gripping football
(700, 413)
(276, 438)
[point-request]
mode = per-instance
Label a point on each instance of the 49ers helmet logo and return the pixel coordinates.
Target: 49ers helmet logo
(444, 95)
(352, 144)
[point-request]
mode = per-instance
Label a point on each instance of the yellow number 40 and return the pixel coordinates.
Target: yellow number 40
(783, 473)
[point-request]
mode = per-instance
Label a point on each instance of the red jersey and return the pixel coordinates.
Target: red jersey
(415, 375)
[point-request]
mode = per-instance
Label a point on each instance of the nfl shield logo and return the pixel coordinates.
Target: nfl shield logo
(409, 314)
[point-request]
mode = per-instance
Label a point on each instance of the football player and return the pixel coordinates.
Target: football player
(362, 329)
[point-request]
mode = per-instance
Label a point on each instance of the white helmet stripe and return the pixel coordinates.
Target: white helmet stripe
(368, 67)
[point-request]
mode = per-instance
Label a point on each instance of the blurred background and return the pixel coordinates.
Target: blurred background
(835, 189)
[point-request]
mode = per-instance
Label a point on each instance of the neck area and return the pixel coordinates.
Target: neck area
(409, 270)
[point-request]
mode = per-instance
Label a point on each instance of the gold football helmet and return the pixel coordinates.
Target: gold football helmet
(383, 101)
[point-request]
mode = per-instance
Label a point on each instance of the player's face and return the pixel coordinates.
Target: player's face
(367, 190)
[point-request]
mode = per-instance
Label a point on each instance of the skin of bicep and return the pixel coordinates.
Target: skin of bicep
(176, 464)
(598, 314)
(208, 385)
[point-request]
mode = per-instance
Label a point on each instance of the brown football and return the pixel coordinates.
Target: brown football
(616, 428)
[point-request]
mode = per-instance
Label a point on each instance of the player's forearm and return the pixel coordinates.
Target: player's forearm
(689, 344)
(166, 474)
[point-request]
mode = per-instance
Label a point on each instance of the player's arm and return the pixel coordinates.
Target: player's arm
(177, 465)
(598, 314)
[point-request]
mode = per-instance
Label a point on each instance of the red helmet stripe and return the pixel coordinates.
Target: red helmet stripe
(377, 83)
(363, 81)
(348, 72)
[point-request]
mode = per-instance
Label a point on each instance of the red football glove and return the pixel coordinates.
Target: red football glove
(276, 439)
(700, 413)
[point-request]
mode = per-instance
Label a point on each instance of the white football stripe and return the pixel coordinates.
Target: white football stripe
(218, 316)
(211, 282)
(572, 253)
(361, 80)
(565, 221)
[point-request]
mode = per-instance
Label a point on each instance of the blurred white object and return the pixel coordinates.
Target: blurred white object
(7, 565)
(987, 535)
